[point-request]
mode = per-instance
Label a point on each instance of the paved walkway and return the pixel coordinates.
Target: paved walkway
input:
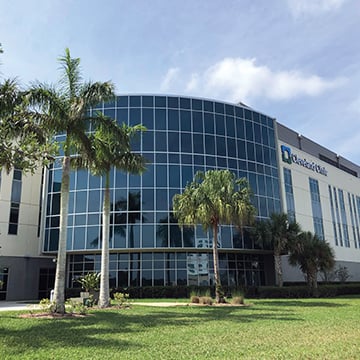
(17, 305)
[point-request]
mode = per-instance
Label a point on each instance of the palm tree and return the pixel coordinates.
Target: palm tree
(111, 145)
(23, 143)
(65, 110)
(276, 233)
(215, 198)
(312, 255)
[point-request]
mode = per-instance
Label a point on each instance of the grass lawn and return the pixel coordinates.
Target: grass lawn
(269, 329)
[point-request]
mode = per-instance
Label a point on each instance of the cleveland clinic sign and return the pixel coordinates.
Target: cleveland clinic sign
(289, 157)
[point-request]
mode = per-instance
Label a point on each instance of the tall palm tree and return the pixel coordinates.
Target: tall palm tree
(215, 198)
(276, 233)
(111, 145)
(312, 255)
(65, 109)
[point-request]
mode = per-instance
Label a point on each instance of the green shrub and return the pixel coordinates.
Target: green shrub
(121, 299)
(47, 306)
(76, 307)
(90, 281)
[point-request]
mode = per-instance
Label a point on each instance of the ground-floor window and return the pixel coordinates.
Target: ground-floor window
(3, 282)
(46, 282)
(171, 268)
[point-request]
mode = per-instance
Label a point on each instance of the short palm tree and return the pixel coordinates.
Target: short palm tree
(277, 232)
(111, 145)
(23, 143)
(312, 255)
(65, 111)
(215, 198)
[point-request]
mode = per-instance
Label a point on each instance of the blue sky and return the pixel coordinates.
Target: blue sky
(295, 60)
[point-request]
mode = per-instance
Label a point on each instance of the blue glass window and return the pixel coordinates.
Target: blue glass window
(185, 120)
(197, 122)
(249, 131)
(185, 142)
(147, 101)
(209, 123)
(160, 101)
(240, 130)
(184, 103)
(160, 119)
(160, 141)
(220, 125)
(198, 143)
(122, 101)
(219, 108)
(196, 104)
(173, 118)
(135, 101)
(135, 117)
(148, 118)
(208, 106)
(173, 141)
(173, 102)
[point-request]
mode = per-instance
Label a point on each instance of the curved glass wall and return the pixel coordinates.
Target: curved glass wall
(183, 135)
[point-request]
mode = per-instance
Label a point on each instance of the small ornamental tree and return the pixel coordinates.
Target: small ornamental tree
(215, 198)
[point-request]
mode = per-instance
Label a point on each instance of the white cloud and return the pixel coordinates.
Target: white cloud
(313, 7)
(193, 83)
(237, 79)
(169, 78)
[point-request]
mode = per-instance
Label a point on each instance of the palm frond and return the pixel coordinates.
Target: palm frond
(71, 79)
(94, 93)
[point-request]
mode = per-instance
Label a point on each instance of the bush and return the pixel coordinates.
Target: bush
(47, 306)
(90, 281)
(121, 299)
(205, 300)
(194, 299)
(238, 298)
(75, 307)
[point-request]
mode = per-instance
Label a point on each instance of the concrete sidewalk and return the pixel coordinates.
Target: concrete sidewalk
(18, 305)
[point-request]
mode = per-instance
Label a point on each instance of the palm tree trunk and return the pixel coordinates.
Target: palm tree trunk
(278, 269)
(218, 291)
(312, 283)
(59, 288)
(104, 275)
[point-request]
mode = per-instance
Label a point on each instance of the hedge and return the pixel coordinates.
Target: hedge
(183, 291)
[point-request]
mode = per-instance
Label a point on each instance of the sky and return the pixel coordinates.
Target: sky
(295, 60)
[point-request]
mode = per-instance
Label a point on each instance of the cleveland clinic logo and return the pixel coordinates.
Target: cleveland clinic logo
(288, 157)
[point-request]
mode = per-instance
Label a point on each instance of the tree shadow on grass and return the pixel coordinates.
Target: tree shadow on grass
(111, 330)
(300, 303)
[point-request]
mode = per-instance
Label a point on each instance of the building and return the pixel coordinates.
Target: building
(23, 267)
(286, 173)
(321, 190)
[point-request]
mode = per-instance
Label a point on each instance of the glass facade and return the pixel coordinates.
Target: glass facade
(344, 218)
(15, 202)
(354, 223)
(316, 208)
(333, 218)
(289, 194)
(183, 135)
